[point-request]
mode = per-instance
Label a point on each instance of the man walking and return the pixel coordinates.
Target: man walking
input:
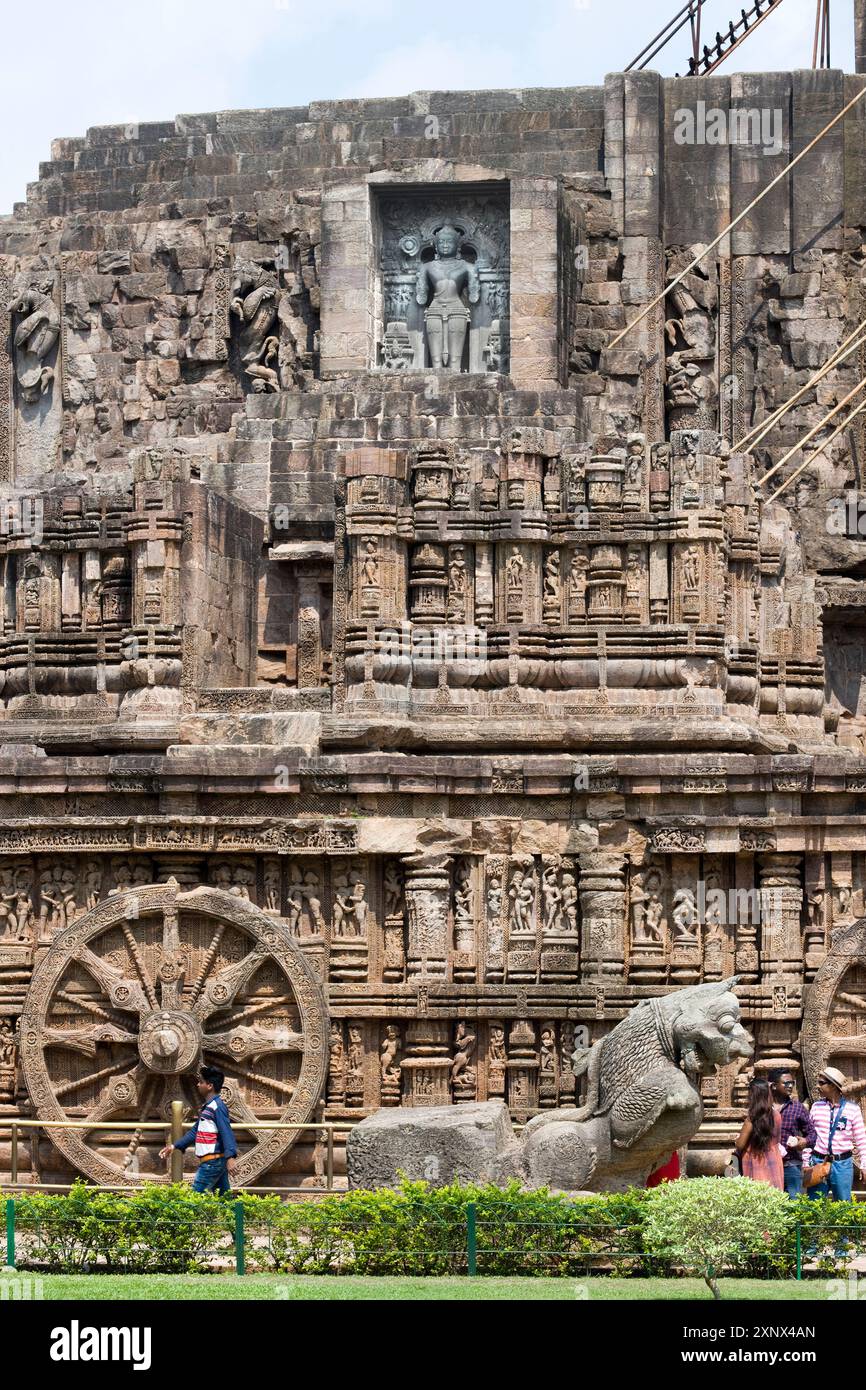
(797, 1132)
(215, 1145)
(840, 1131)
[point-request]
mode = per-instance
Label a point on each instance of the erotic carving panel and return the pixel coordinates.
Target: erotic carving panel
(132, 997)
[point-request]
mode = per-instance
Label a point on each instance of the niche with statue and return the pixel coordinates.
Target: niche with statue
(444, 279)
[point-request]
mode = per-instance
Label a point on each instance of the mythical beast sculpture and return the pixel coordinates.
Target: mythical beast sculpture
(643, 1098)
(642, 1102)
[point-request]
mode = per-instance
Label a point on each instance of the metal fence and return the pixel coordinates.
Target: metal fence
(225, 1238)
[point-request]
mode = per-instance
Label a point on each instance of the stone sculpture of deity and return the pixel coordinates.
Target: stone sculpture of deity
(440, 288)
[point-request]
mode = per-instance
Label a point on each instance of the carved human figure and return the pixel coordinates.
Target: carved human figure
(515, 572)
(335, 1049)
(243, 878)
(494, 899)
(92, 883)
(713, 912)
(8, 1047)
(464, 1046)
(685, 916)
(8, 900)
(51, 901)
(24, 902)
(255, 302)
(360, 907)
(221, 877)
(815, 909)
(440, 287)
(312, 891)
(272, 885)
(342, 905)
(69, 903)
(653, 921)
(551, 895)
(388, 1053)
(294, 908)
(522, 895)
(569, 902)
(121, 873)
(355, 1055)
(691, 570)
(35, 334)
(393, 892)
(462, 894)
(547, 1056)
(551, 576)
(141, 873)
(638, 899)
(496, 1046)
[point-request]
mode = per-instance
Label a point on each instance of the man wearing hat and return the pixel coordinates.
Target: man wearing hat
(840, 1130)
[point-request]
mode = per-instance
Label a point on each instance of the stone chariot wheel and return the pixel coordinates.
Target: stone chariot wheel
(834, 1020)
(135, 995)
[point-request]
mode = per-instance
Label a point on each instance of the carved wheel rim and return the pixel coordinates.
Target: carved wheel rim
(140, 990)
(834, 1020)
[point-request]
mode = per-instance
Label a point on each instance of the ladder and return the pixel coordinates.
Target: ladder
(703, 62)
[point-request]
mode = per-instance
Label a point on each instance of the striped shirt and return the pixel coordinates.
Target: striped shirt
(850, 1133)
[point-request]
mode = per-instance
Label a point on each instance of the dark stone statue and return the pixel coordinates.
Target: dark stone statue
(446, 319)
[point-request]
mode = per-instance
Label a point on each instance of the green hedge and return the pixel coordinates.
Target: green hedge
(412, 1230)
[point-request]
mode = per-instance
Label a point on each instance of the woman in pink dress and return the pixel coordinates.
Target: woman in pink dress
(759, 1141)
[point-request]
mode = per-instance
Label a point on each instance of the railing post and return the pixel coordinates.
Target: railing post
(799, 1236)
(176, 1133)
(329, 1182)
(240, 1260)
(13, 1163)
(471, 1239)
(10, 1233)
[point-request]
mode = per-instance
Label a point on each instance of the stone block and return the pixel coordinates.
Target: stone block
(439, 1144)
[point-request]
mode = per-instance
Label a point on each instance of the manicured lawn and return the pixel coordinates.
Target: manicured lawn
(167, 1287)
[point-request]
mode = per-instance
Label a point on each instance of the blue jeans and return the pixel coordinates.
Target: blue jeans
(212, 1176)
(839, 1182)
(793, 1179)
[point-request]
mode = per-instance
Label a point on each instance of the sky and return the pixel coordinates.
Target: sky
(103, 62)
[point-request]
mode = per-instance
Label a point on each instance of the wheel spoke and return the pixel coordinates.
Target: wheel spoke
(146, 982)
(207, 964)
(172, 965)
(226, 984)
(115, 1069)
(251, 1042)
(285, 1088)
(239, 1112)
(853, 1000)
(86, 1039)
(80, 1001)
(113, 982)
(855, 1046)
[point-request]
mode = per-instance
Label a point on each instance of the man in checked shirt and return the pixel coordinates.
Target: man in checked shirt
(797, 1132)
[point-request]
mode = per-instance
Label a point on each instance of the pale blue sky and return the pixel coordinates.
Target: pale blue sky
(78, 63)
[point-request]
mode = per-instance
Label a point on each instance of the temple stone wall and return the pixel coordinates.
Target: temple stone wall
(386, 730)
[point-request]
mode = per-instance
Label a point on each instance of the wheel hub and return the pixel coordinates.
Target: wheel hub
(169, 1042)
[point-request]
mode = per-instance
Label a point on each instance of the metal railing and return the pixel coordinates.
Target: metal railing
(172, 1131)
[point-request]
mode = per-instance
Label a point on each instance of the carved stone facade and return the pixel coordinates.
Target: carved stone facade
(396, 683)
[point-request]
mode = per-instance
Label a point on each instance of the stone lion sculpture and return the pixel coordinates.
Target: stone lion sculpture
(643, 1098)
(642, 1102)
